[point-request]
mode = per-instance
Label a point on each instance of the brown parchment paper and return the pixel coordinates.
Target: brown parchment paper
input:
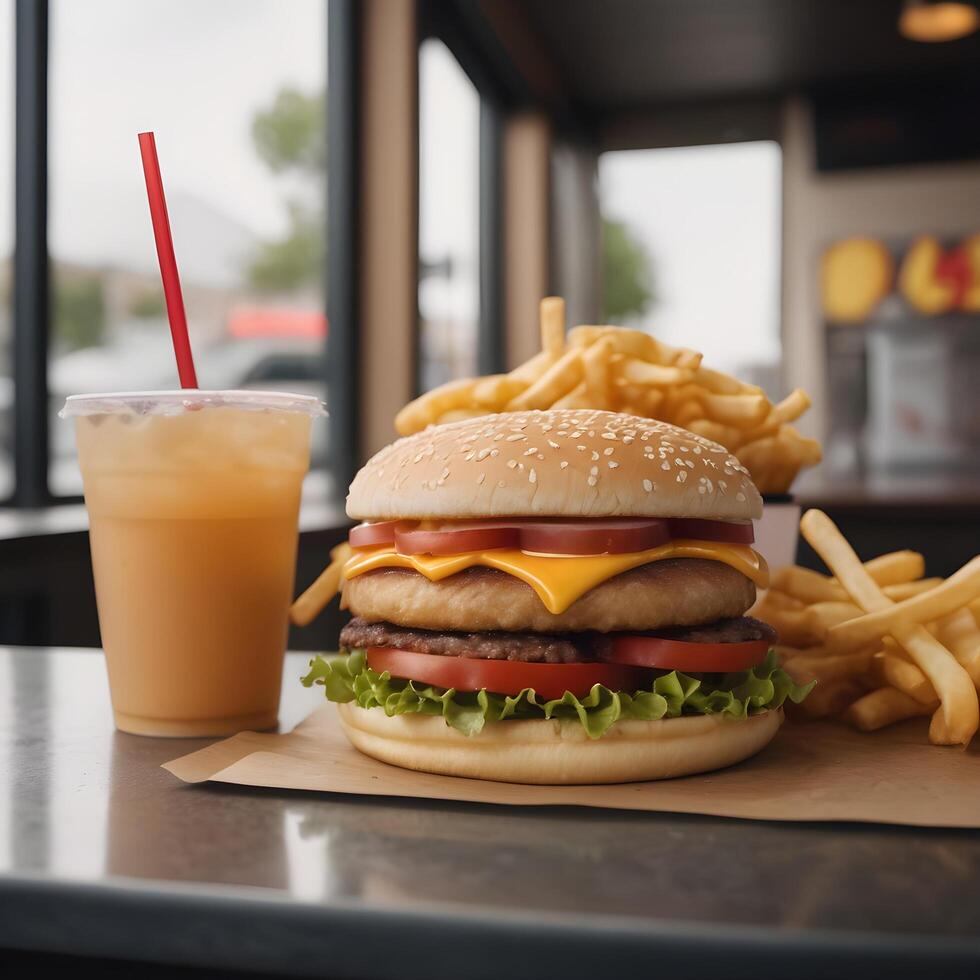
(813, 771)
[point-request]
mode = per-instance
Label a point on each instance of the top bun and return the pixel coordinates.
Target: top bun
(562, 463)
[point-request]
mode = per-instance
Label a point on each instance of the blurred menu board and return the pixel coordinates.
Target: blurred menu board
(929, 276)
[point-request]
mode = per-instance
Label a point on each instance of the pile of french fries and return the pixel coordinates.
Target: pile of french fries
(883, 643)
(623, 370)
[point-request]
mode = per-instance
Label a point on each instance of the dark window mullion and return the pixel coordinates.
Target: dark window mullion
(491, 356)
(31, 277)
(343, 358)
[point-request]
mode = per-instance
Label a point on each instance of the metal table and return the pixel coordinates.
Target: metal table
(104, 854)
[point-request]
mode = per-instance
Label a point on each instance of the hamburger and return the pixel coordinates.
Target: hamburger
(555, 597)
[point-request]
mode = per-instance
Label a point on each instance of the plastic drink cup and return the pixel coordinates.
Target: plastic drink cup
(193, 502)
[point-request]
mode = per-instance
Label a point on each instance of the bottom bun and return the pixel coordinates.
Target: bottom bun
(559, 752)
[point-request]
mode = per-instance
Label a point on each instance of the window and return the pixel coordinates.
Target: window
(234, 90)
(691, 250)
(6, 244)
(449, 229)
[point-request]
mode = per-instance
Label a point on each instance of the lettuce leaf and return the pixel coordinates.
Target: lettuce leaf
(348, 678)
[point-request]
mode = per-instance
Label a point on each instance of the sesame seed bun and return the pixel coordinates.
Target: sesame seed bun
(559, 752)
(563, 463)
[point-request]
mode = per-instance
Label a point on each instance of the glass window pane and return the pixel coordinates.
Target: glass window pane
(449, 230)
(234, 91)
(6, 244)
(691, 250)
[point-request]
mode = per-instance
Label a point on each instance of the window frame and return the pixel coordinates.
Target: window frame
(31, 275)
(443, 22)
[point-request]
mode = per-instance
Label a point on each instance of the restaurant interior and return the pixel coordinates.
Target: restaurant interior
(370, 199)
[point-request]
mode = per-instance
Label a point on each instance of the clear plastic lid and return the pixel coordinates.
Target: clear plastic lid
(176, 402)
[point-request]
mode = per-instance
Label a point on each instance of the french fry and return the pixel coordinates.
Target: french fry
(576, 398)
(629, 370)
(498, 389)
(687, 413)
(896, 567)
(884, 707)
(955, 592)
(532, 369)
(552, 317)
(458, 415)
(632, 343)
(725, 435)
(425, 409)
(633, 370)
(781, 600)
(903, 590)
(722, 384)
(961, 636)
(897, 672)
(741, 411)
(595, 367)
(958, 712)
(308, 606)
(810, 587)
(556, 382)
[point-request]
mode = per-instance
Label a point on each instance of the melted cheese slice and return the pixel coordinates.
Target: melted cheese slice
(559, 579)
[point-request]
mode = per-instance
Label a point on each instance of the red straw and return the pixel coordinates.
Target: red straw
(168, 261)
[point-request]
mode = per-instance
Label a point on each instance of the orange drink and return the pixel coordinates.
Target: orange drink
(193, 501)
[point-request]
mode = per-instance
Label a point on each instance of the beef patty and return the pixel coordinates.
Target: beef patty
(654, 596)
(534, 648)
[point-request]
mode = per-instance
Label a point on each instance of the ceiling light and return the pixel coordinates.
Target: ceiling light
(937, 20)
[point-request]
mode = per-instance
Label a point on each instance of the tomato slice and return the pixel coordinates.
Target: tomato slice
(697, 658)
(505, 676)
(610, 536)
(369, 535)
(455, 540)
(550, 536)
(732, 532)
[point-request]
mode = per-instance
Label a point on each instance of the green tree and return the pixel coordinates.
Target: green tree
(627, 281)
(79, 311)
(290, 137)
(148, 305)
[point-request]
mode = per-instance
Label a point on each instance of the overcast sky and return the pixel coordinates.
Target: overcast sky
(194, 72)
(710, 217)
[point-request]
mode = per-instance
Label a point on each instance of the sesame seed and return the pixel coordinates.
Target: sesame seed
(482, 455)
(563, 464)
(552, 443)
(647, 485)
(740, 497)
(612, 464)
(608, 451)
(607, 435)
(481, 478)
(531, 451)
(665, 465)
(532, 476)
(511, 463)
(594, 470)
(595, 455)
(682, 476)
(592, 481)
(540, 455)
(516, 437)
(581, 449)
